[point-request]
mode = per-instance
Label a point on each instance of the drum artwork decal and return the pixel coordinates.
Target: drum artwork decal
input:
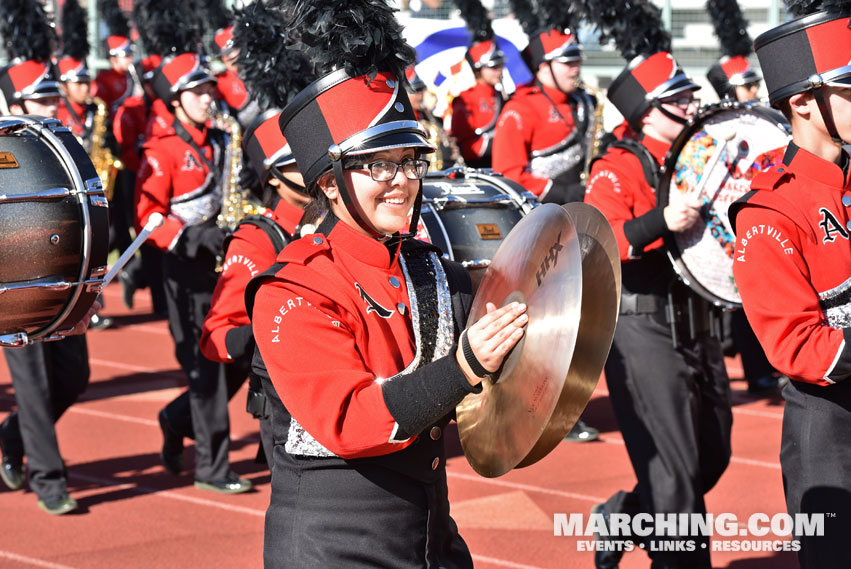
(714, 159)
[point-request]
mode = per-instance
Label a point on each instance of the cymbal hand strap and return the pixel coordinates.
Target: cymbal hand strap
(472, 361)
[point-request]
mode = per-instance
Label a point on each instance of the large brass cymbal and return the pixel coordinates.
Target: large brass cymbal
(540, 264)
(601, 293)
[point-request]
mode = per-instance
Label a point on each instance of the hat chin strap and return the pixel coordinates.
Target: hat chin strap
(669, 114)
(826, 115)
(354, 209)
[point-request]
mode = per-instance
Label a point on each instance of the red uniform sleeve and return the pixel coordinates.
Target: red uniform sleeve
(779, 300)
(126, 129)
(336, 399)
(512, 147)
(472, 145)
(153, 194)
(246, 257)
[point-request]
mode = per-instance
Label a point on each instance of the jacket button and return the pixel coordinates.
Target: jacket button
(394, 282)
(317, 241)
(435, 433)
(781, 170)
(846, 201)
(434, 463)
(401, 308)
(848, 224)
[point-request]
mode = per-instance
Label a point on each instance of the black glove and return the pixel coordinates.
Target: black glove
(203, 238)
(239, 342)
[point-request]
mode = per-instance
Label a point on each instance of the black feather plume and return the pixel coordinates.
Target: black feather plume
(274, 74)
(216, 16)
(25, 30)
(166, 27)
(635, 26)
(524, 12)
(558, 14)
(361, 36)
(116, 21)
(800, 8)
(730, 26)
(477, 18)
(75, 40)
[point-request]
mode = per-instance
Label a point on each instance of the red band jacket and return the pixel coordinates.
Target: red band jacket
(174, 180)
(536, 138)
(79, 118)
(474, 115)
(128, 126)
(113, 87)
(249, 253)
(232, 90)
(617, 186)
(792, 265)
(336, 333)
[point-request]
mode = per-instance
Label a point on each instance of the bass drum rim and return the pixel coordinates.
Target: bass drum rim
(668, 169)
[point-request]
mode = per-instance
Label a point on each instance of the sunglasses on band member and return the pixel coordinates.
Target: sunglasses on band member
(682, 103)
(385, 170)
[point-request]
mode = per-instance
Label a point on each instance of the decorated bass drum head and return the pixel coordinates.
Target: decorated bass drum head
(714, 159)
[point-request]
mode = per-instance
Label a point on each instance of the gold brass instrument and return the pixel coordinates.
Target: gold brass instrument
(446, 154)
(235, 201)
(594, 134)
(106, 164)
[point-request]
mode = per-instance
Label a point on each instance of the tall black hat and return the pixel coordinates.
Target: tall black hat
(75, 44)
(167, 29)
(118, 41)
(733, 69)
(483, 50)
(29, 41)
(651, 73)
(556, 39)
(359, 104)
(274, 74)
(808, 53)
(217, 21)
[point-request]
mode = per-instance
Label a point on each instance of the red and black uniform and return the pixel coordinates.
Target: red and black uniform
(792, 266)
(671, 399)
(180, 178)
(474, 115)
(79, 118)
(540, 141)
(232, 90)
(113, 87)
(338, 331)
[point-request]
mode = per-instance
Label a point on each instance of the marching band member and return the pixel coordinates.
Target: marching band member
(180, 177)
(475, 111)
(48, 377)
(115, 84)
(358, 325)
(540, 137)
(275, 74)
(793, 227)
(76, 109)
(447, 153)
(667, 381)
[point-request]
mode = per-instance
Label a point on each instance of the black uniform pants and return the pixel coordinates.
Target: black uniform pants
(189, 288)
(816, 461)
(48, 378)
(673, 409)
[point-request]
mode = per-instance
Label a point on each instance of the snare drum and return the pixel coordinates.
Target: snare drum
(714, 159)
(468, 213)
(54, 230)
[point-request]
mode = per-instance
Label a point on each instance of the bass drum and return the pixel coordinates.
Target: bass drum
(714, 159)
(54, 230)
(468, 213)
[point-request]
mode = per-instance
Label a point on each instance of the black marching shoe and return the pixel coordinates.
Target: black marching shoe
(604, 559)
(172, 451)
(234, 485)
(58, 505)
(582, 433)
(11, 469)
(128, 287)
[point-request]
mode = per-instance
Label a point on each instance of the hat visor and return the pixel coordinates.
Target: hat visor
(840, 77)
(196, 80)
(391, 140)
(43, 90)
(673, 87)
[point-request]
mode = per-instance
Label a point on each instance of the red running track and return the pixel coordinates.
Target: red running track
(133, 515)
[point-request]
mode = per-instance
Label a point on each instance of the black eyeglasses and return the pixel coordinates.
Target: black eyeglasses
(385, 170)
(682, 103)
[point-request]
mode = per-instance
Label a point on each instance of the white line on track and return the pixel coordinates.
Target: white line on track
(737, 410)
(131, 367)
(526, 487)
(749, 461)
(32, 561)
(502, 563)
